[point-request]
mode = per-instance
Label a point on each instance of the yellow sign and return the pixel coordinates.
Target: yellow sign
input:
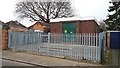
(65, 31)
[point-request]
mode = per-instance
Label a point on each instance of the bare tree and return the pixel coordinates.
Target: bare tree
(43, 11)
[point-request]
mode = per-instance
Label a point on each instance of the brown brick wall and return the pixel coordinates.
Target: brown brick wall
(19, 29)
(38, 26)
(77, 27)
(4, 38)
(87, 26)
(97, 27)
(56, 27)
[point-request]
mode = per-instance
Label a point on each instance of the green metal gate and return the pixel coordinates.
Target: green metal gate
(69, 31)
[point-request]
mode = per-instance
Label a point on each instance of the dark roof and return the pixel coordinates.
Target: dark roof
(47, 25)
(15, 24)
(1, 22)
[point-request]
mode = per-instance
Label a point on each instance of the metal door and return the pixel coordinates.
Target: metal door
(69, 32)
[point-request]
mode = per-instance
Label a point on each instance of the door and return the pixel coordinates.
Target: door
(69, 32)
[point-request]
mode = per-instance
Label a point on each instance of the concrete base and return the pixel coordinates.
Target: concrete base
(116, 57)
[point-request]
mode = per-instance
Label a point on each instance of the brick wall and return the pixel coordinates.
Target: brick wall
(77, 27)
(4, 38)
(88, 26)
(19, 29)
(56, 27)
(85, 26)
(38, 26)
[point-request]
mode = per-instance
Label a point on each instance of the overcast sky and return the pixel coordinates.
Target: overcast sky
(82, 8)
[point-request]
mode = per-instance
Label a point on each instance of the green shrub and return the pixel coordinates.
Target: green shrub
(108, 56)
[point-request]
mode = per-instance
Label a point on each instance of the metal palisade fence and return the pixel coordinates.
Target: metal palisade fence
(84, 46)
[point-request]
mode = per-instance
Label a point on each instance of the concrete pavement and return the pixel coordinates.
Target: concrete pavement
(41, 60)
(13, 63)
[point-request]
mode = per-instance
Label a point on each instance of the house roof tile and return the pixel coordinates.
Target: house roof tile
(15, 24)
(42, 23)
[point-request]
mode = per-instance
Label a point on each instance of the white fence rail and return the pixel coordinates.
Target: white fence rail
(74, 46)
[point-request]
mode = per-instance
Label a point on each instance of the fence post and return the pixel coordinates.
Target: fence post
(9, 38)
(48, 37)
(48, 46)
(13, 38)
(102, 47)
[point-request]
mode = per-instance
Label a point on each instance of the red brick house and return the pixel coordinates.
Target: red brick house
(74, 25)
(40, 27)
(16, 26)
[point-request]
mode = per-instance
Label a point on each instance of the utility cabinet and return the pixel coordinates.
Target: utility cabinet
(113, 39)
